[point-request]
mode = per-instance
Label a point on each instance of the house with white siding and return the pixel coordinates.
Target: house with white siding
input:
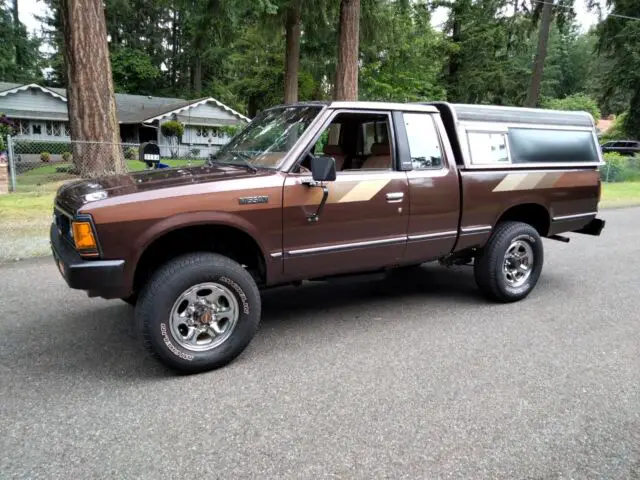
(40, 113)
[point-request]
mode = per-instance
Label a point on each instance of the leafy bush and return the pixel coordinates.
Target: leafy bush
(172, 128)
(227, 130)
(131, 153)
(45, 157)
(7, 127)
(66, 156)
(577, 102)
(617, 130)
(67, 169)
(619, 168)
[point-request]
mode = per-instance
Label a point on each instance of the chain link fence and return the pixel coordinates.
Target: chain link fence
(620, 168)
(46, 164)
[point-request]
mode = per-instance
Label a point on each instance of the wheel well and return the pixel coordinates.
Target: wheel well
(221, 239)
(532, 213)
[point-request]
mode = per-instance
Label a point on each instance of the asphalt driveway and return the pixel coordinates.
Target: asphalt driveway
(411, 376)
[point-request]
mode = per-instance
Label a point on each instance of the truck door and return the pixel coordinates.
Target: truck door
(434, 188)
(364, 222)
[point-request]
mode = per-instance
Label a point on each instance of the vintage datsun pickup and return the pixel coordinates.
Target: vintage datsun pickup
(315, 190)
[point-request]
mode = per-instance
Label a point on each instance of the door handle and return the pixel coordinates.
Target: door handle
(395, 197)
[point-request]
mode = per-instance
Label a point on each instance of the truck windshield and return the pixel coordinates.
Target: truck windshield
(268, 138)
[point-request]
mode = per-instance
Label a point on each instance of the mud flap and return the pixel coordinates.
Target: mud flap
(594, 227)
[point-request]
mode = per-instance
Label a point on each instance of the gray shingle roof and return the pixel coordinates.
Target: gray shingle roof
(134, 108)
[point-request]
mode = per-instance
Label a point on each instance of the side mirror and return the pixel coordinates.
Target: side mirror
(323, 169)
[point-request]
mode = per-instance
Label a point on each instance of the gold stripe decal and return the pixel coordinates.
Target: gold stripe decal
(364, 191)
(539, 180)
(510, 182)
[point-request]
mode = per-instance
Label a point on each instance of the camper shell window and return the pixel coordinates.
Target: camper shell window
(528, 145)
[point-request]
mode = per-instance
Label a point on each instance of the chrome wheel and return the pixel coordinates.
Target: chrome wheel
(518, 263)
(204, 316)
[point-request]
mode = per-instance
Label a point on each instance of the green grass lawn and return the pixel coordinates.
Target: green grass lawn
(620, 194)
(25, 220)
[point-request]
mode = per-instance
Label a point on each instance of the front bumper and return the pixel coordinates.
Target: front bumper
(97, 276)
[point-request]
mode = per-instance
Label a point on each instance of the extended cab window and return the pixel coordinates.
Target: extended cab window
(424, 144)
(486, 148)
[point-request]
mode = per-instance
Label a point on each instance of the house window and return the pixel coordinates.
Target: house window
(202, 132)
(36, 129)
(65, 129)
(57, 129)
(49, 128)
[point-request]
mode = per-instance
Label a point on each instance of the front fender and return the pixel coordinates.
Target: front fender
(190, 219)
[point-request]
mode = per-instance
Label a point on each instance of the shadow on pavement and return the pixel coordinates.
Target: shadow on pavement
(98, 338)
(425, 283)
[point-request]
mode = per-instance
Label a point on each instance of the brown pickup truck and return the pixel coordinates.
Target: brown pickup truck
(315, 190)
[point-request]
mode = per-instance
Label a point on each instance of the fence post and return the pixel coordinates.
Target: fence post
(12, 164)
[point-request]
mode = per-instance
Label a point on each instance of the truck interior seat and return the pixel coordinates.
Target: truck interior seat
(336, 152)
(380, 157)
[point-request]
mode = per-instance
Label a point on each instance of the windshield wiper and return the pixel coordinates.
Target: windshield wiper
(245, 160)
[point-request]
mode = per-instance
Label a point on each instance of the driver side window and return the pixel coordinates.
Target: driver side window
(356, 141)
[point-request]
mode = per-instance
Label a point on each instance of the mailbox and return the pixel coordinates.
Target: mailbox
(150, 154)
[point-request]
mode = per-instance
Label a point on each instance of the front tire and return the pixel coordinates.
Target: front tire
(198, 312)
(511, 263)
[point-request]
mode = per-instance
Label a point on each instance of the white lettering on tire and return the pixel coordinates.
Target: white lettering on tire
(239, 291)
(171, 346)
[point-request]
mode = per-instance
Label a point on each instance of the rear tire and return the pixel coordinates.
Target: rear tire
(198, 312)
(511, 263)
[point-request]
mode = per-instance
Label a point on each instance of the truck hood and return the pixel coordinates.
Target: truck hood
(73, 195)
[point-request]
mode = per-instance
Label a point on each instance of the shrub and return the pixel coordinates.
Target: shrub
(172, 128)
(131, 153)
(619, 168)
(66, 156)
(617, 130)
(577, 102)
(45, 157)
(7, 127)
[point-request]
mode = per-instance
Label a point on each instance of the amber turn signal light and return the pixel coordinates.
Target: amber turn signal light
(83, 236)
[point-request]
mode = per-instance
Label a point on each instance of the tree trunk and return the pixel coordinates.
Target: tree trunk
(174, 47)
(16, 26)
(346, 86)
(292, 53)
(252, 106)
(533, 95)
(458, 9)
(197, 75)
(91, 103)
(512, 28)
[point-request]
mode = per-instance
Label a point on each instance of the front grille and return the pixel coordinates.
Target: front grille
(63, 223)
